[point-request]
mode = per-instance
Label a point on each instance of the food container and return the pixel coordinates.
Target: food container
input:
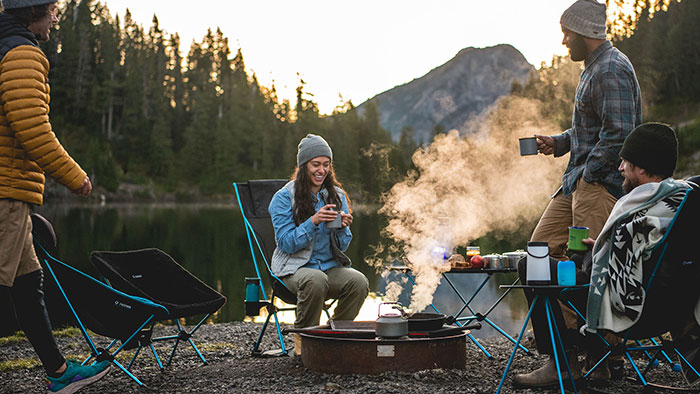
(494, 261)
(510, 259)
(457, 261)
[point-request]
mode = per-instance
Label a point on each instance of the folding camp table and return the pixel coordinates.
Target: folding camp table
(475, 315)
(547, 294)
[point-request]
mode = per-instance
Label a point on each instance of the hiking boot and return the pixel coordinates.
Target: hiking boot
(77, 376)
(617, 368)
(599, 375)
(546, 375)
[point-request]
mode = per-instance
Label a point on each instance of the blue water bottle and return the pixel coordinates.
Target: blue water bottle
(252, 289)
(566, 273)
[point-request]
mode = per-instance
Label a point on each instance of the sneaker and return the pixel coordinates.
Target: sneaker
(77, 376)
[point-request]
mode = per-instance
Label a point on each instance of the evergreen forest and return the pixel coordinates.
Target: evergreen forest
(132, 108)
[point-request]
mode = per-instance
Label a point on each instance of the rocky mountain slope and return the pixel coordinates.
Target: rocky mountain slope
(453, 92)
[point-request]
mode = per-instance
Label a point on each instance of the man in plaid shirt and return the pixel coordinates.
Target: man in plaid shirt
(607, 107)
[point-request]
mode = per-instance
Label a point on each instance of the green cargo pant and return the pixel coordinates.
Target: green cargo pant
(312, 287)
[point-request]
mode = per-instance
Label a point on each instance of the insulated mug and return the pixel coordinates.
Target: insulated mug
(528, 146)
(576, 235)
(566, 273)
(337, 222)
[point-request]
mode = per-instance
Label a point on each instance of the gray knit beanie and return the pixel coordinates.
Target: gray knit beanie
(312, 146)
(12, 4)
(585, 17)
(653, 147)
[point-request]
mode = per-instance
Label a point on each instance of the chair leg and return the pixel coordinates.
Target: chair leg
(256, 347)
(172, 353)
(134, 358)
(684, 360)
(189, 338)
(153, 349)
(126, 371)
(271, 313)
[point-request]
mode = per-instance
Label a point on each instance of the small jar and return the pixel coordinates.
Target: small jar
(473, 251)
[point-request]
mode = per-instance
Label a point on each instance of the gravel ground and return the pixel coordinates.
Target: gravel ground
(231, 369)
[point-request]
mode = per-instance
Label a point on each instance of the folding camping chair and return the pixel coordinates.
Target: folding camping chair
(95, 305)
(671, 279)
(253, 199)
(153, 275)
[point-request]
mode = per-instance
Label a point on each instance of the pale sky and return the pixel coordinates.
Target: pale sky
(356, 48)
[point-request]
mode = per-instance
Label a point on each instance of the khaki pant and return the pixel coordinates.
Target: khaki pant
(588, 206)
(312, 287)
(17, 256)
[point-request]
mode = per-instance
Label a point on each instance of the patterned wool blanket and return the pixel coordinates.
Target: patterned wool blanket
(635, 227)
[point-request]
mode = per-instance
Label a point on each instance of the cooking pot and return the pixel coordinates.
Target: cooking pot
(494, 261)
(511, 258)
(425, 321)
(391, 324)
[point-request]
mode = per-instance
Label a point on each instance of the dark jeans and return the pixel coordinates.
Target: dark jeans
(28, 299)
(570, 337)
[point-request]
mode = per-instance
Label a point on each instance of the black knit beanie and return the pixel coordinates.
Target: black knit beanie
(14, 4)
(653, 147)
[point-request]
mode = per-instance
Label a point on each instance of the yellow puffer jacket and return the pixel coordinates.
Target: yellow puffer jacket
(28, 146)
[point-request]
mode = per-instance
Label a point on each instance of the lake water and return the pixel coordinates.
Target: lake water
(210, 242)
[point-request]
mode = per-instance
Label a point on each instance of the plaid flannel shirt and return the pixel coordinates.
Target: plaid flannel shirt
(608, 106)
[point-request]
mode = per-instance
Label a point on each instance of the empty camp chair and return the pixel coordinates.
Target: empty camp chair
(253, 200)
(95, 305)
(154, 275)
(671, 278)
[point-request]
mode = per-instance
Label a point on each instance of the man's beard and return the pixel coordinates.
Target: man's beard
(578, 50)
(628, 185)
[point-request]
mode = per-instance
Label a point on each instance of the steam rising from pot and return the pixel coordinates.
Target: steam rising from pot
(480, 182)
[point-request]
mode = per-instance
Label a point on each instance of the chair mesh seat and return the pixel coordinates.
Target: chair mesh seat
(154, 275)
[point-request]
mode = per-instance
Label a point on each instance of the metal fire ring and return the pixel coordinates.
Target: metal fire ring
(373, 356)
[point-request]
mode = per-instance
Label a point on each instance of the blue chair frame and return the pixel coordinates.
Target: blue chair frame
(257, 241)
(59, 271)
(656, 350)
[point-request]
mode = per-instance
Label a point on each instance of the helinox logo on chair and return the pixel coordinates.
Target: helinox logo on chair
(122, 305)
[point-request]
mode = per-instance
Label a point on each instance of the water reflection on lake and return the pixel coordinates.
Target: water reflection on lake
(210, 241)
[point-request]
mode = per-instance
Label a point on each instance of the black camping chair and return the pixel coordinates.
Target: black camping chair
(253, 200)
(671, 278)
(95, 305)
(153, 275)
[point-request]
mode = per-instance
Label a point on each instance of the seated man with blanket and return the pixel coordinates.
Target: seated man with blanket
(625, 252)
(636, 224)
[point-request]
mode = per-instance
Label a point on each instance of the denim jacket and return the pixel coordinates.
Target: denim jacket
(295, 244)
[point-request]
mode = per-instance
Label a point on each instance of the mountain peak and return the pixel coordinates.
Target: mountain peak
(448, 95)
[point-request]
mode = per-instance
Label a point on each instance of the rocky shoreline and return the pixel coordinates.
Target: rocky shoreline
(232, 369)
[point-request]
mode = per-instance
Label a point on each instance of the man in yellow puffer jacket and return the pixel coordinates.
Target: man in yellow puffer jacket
(28, 150)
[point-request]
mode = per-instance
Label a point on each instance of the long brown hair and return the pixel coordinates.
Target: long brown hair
(304, 201)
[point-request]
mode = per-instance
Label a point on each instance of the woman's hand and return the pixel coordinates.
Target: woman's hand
(346, 219)
(325, 214)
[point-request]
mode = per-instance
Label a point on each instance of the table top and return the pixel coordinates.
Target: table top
(455, 270)
(544, 288)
